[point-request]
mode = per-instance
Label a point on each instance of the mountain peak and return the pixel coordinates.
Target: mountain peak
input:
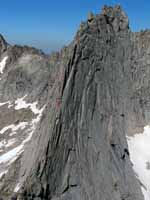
(116, 16)
(113, 18)
(66, 120)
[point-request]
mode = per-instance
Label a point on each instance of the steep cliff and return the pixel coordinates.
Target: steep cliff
(69, 114)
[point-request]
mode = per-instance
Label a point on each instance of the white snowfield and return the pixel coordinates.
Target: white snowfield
(21, 103)
(7, 158)
(3, 64)
(139, 147)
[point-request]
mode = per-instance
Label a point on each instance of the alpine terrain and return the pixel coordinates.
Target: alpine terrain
(75, 125)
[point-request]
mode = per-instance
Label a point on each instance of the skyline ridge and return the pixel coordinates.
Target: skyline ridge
(51, 25)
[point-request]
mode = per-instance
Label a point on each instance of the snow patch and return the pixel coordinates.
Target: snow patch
(139, 148)
(21, 103)
(11, 154)
(3, 64)
(34, 123)
(14, 128)
(7, 102)
(31, 131)
(4, 103)
(9, 157)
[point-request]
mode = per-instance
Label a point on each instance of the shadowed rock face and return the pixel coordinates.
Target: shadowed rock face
(92, 94)
(3, 44)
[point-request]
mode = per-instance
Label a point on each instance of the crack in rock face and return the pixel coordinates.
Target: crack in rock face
(74, 125)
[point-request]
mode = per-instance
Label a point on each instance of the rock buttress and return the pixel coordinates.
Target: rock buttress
(79, 151)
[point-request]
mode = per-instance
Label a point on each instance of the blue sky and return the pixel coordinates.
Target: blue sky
(50, 24)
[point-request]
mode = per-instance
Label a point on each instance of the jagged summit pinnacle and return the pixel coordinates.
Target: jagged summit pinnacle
(115, 17)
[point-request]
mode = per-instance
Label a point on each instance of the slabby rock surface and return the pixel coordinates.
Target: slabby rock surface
(77, 107)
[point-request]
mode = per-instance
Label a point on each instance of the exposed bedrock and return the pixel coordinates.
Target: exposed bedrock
(90, 96)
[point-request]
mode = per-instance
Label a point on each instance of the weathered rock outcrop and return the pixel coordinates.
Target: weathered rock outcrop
(92, 94)
(24, 76)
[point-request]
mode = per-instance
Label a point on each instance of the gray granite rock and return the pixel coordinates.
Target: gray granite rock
(95, 92)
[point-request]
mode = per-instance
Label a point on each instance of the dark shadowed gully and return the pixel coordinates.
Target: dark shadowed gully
(64, 118)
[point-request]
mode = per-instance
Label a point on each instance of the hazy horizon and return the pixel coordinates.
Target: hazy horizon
(49, 25)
